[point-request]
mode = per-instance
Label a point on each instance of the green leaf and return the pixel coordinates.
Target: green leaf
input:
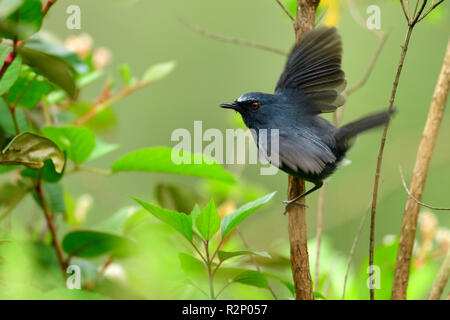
(252, 278)
(8, 191)
(178, 197)
(208, 221)
(225, 255)
(287, 284)
(90, 244)
(115, 224)
(194, 214)
(22, 23)
(49, 44)
(101, 149)
(54, 195)
(31, 150)
(125, 73)
(6, 120)
(232, 220)
(54, 68)
(177, 220)
(103, 120)
(159, 159)
(78, 142)
(158, 71)
(28, 90)
(190, 265)
(47, 172)
(9, 6)
(318, 295)
(10, 76)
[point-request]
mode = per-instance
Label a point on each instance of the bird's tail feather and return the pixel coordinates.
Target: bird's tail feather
(345, 133)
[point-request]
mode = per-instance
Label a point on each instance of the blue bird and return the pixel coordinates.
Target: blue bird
(310, 147)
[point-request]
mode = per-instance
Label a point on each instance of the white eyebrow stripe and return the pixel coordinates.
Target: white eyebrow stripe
(241, 98)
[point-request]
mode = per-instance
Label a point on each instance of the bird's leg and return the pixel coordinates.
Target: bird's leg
(292, 202)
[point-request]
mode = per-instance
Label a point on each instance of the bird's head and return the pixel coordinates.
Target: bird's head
(256, 108)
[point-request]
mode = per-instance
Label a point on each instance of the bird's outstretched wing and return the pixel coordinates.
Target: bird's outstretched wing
(304, 152)
(314, 68)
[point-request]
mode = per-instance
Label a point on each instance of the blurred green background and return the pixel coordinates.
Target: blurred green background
(209, 72)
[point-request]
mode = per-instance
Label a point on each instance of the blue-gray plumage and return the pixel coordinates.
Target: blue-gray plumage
(310, 147)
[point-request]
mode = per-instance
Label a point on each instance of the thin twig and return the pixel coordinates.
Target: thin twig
(337, 116)
(328, 279)
(98, 107)
(47, 6)
(100, 274)
(49, 218)
(285, 10)
(352, 251)
(255, 263)
(433, 5)
(224, 287)
(441, 279)
(370, 66)
(380, 154)
(417, 185)
(414, 198)
(221, 38)
(320, 207)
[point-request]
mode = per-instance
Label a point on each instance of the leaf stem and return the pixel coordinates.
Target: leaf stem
(104, 104)
(51, 226)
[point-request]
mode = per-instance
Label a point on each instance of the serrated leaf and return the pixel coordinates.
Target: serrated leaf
(159, 159)
(208, 221)
(78, 142)
(158, 71)
(232, 220)
(177, 220)
(90, 244)
(225, 255)
(252, 278)
(32, 150)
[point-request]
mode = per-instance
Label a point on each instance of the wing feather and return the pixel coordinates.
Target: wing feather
(314, 68)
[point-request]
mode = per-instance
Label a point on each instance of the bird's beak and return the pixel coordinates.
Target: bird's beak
(230, 105)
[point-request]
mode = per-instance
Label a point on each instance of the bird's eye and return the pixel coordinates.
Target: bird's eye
(255, 105)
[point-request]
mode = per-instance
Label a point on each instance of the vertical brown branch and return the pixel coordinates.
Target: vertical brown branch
(49, 218)
(423, 159)
(380, 155)
(297, 214)
(441, 279)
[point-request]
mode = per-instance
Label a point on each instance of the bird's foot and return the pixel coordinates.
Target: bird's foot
(290, 203)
